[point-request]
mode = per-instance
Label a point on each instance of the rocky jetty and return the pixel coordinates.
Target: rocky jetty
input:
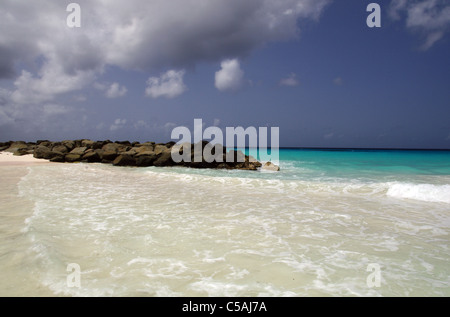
(131, 153)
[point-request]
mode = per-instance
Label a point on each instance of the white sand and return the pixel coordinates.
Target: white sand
(8, 159)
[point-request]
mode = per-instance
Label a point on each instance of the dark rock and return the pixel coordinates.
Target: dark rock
(97, 145)
(60, 148)
(165, 159)
(43, 152)
(58, 159)
(78, 143)
(124, 160)
(125, 153)
(126, 143)
(78, 151)
(109, 156)
(69, 144)
(114, 147)
(144, 150)
(16, 146)
(20, 152)
(129, 151)
(87, 144)
(160, 148)
(146, 160)
(45, 143)
(71, 158)
(91, 157)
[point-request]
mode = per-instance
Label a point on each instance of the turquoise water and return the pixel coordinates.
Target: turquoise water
(364, 164)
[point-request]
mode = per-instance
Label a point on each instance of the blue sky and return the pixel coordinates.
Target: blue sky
(312, 68)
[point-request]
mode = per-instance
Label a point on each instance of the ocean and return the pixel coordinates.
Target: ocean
(330, 223)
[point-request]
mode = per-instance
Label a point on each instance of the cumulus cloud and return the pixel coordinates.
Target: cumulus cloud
(141, 34)
(169, 84)
(118, 124)
(290, 81)
(230, 77)
(44, 59)
(429, 18)
(115, 91)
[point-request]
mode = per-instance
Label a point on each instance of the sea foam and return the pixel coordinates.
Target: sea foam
(423, 192)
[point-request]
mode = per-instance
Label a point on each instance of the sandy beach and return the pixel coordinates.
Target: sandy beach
(8, 159)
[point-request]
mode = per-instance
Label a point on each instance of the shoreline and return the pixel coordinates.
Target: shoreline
(9, 159)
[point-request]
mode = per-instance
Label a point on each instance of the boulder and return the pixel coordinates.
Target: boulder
(16, 146)
(87, 143)
(108, 156)
(146, 160)
(69, 144)
(59, 158)
(97, 145)
(114, 147)
(91, 157)
(165, 159)
(71, 158)
(61, 149)
(126, 143)
(20, 152)
(43, 152)
(45, 143)
(7, 144)
(124, 160)
(144, 149)
(269, 166)
(131, 152)
(79, 150)
(160, 148)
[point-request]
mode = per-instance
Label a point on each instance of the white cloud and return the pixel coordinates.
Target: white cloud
(169, 85)
(169, 126)
(43, 59)
(115, 91)
(141, 124)
(290, 81)
(216, 122)
(51, 82)
(429, 18)
(118, 124)
(230, 77)
(328, 135)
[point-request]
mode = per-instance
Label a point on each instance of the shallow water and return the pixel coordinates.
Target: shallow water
(313, 229)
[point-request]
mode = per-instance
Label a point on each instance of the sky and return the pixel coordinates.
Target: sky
(136, 69)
